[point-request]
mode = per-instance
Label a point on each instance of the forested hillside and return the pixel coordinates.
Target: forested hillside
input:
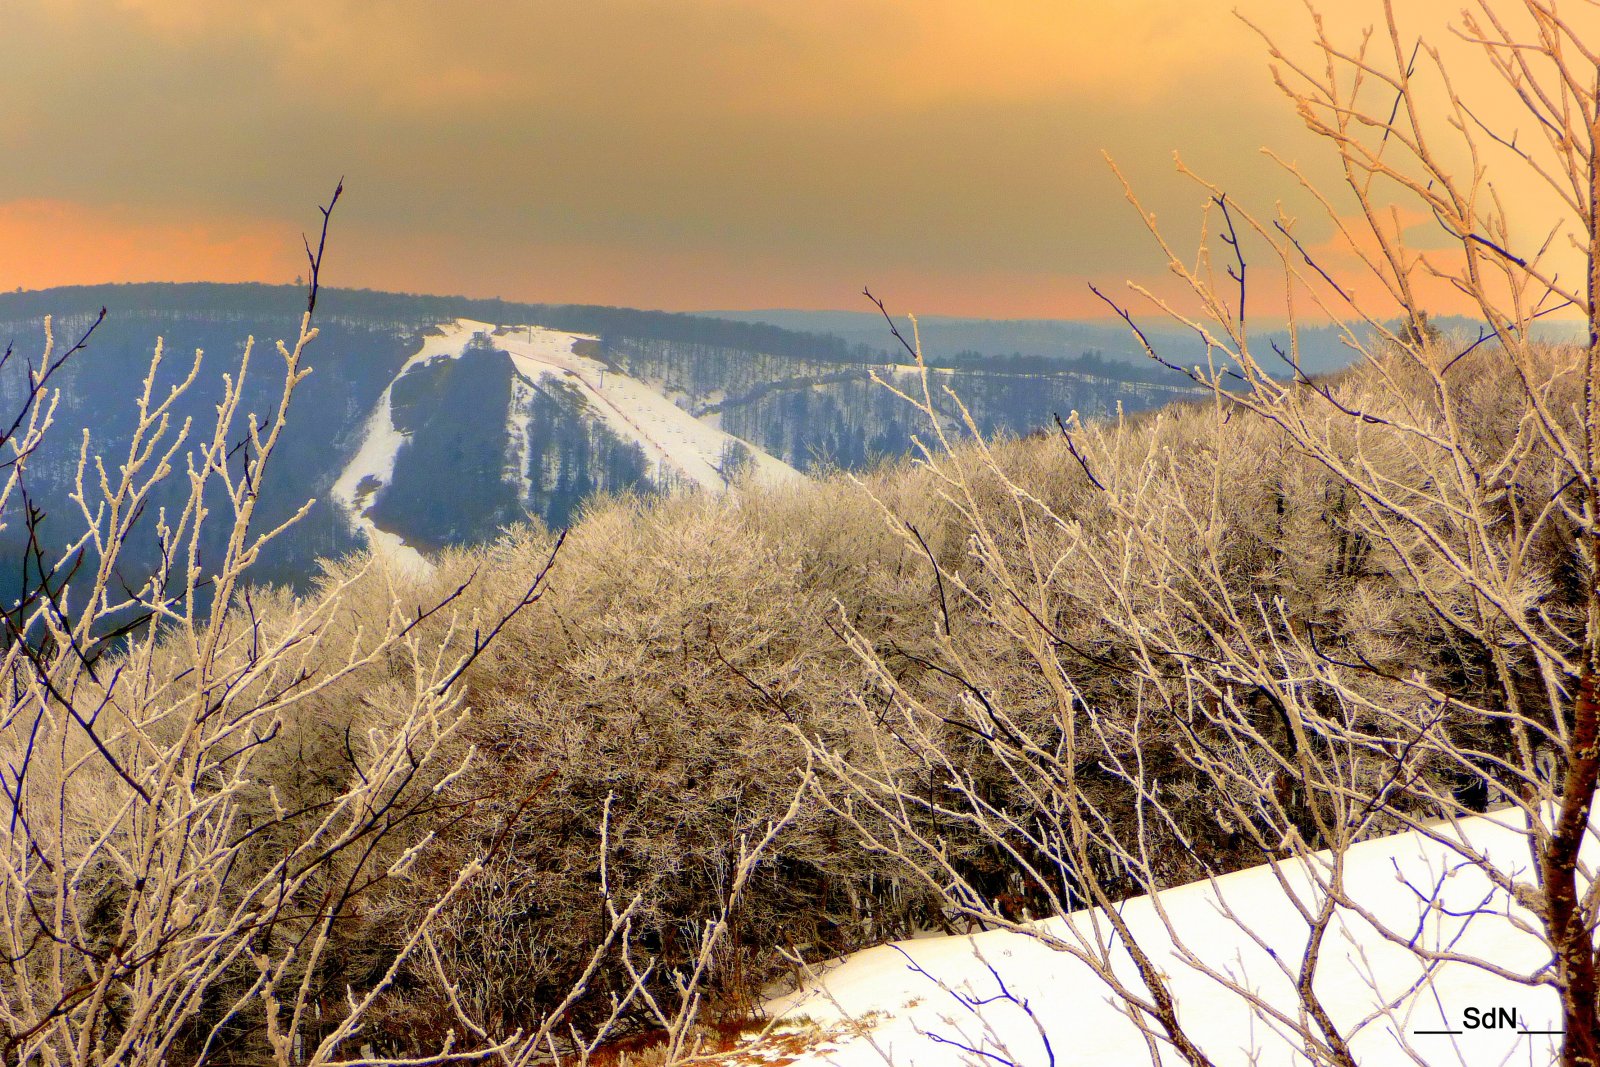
(478, 443)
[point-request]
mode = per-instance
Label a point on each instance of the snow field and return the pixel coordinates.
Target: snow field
(672, 439)
(1244, 929)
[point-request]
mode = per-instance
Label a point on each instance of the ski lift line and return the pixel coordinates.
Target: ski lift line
(688, 455)
(663, 454)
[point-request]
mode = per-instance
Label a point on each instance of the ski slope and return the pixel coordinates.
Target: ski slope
(682, 449)
(907, 1003)
(373, 464)
(675, 441)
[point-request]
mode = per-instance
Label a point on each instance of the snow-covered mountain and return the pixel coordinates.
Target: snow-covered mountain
(548, 368)
(436, 421)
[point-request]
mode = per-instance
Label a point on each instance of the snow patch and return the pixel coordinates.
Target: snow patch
(519, 416)
(681, 447)
(1375, 990)
(372, 468)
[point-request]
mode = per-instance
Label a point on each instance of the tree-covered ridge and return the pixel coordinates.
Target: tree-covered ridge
(480, 447)
(238, 302)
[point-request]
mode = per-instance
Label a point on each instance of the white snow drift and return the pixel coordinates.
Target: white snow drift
(913, 1002)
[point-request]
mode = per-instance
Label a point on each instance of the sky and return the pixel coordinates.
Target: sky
(679, 154)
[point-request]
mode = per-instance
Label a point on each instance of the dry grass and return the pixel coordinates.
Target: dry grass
(733, 1043)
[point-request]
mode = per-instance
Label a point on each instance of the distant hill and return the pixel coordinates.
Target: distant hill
(944, 337)
(435, 420)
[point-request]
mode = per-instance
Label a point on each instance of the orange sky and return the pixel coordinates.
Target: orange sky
(687, 154)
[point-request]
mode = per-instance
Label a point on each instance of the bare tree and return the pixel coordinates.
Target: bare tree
(160, 891)
(213, 791)
(1385, 619)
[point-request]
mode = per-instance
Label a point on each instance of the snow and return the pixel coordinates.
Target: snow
(902, 370)
(1226, 926)
(519, 465)
(373, 464)
(681, 448)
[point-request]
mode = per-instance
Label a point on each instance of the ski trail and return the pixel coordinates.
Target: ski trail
(682, 448)
(372, 468)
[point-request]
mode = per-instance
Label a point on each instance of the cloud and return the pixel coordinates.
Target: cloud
(69, 243)
(529, 147)
(763, 54)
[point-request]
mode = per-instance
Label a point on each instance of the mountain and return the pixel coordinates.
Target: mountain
(944, 337)
(434, 421)
(534, 420)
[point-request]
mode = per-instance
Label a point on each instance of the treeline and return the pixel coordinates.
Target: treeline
(618, 328)
(1092, 363)
(284, 303)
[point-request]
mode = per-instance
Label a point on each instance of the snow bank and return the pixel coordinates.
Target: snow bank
(1244, 928)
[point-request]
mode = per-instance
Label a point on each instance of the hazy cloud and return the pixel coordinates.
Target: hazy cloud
(687, 153)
